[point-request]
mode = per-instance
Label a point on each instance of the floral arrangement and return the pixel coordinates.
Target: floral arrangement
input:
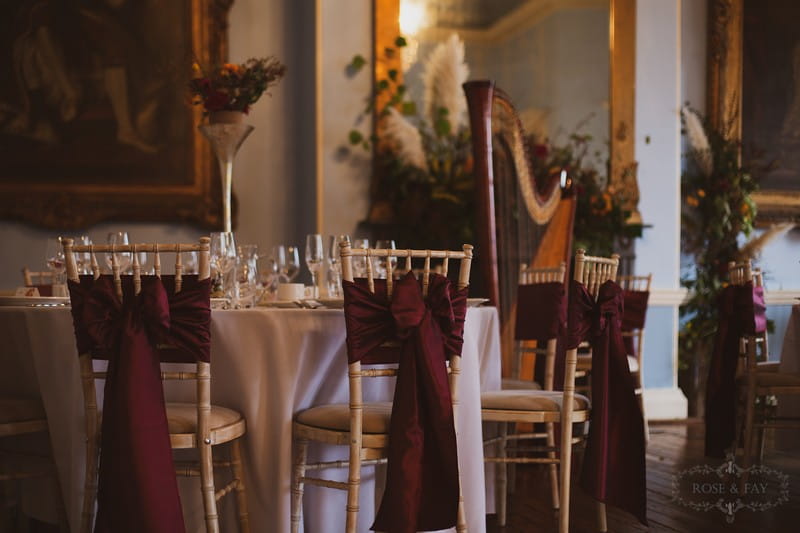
(601, 221)
(234, 87)
(718, 211)
(423, 190)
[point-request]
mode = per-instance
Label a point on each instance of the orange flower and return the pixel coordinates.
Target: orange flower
(701, 193)
(692, 201)
(744, 208)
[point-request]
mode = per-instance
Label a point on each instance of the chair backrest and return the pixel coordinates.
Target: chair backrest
(202, 373)
(44, 278)
(355, 372)
(529, 276)
(739, 274)
(594, 271)
(635, 283)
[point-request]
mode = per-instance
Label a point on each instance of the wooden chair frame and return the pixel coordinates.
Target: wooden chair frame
(751, 369)
(592, 272)
(205, 436)
(45, 277)
(369, 449)
(641, 284)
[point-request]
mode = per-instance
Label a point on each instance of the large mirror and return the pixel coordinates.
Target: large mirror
(568, 65)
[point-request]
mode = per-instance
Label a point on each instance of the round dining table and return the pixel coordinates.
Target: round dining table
(267, 363)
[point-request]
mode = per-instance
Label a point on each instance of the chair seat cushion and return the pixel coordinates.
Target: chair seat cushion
(527, 400)
(182, 417)
(336, 417)
(20, 410)
(519, 384)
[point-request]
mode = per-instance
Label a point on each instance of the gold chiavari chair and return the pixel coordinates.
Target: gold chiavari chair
(199, 425)
(758, 378)
(32, 278)
(550, 407)
(364, 427)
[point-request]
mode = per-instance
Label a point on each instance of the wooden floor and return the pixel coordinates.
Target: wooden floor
(672, 448)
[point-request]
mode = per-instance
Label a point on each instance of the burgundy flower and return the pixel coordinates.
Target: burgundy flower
(216, 101)
(540, 150)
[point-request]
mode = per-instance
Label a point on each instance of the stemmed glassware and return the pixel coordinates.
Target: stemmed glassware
(83, 260)
(223, 259)
(315, 256)
(247, 275)
(292, 262)
(335, 266)
(118, 238)
(287, 262)
(359, 262)
(384, 263)
(54, 257)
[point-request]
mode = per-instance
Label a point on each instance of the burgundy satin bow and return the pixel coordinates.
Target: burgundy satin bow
(541, 311)
(422, 472)
(137, 486)
(742, 312)
(614, 463)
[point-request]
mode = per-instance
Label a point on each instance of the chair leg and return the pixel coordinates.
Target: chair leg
(241, 494)
(566, 467)
(207, 487)
(749, 418)
(297, 483)
(640, 397)
(501, 472)
(553, 468)
(461, 520)
(89, 486)
(602, 521)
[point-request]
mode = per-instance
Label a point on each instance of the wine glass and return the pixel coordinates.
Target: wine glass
(247, 274)
(335, 265)
(118, 238)
(360, 262)
(292, 262)
(54, 257)
(315, 256)
(83, 259)
(385, 262)
(223, 259)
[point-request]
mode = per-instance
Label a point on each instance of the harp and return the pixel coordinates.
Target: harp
(517, 219)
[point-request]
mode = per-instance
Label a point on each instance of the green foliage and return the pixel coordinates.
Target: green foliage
(430, 208)
(600, 218)
(717, 208)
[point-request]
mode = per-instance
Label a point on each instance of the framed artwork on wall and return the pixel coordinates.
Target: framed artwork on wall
(754, 84)
(95, 122)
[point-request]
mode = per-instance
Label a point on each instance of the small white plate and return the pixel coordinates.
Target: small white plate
(34, 301)
(476, 302)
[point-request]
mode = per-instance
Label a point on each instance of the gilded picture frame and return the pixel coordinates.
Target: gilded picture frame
(95, 121)
(739, 100)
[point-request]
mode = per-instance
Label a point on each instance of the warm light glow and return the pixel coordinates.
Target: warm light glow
(412, 17)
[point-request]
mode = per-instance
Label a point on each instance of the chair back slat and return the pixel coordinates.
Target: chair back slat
(594, 271)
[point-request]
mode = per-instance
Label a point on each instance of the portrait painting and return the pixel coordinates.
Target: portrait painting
(95, 122)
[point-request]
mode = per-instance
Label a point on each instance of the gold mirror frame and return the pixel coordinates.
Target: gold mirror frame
(724, 102)
(622, 75)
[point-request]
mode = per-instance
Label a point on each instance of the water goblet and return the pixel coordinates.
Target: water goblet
(223, 259)
(384, 264)
(83, 260)
(292, 262)
(123, 259)
(54, 257)
(360, 262)
(315, 256)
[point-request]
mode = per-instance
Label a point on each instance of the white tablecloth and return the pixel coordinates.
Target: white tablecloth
(268, 364)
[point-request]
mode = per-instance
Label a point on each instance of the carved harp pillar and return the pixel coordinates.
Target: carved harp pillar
(518, 220)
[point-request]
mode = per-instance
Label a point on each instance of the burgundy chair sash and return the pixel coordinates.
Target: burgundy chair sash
(633, 315)
(422, 473)
(137, 488)
(742, 312)
(541, 311)
(614, 463)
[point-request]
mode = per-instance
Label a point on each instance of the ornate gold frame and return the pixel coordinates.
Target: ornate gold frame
(724, 104)
(622, 75)
(78, 203)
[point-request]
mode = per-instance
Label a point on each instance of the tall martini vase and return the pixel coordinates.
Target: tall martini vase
(226, 132)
